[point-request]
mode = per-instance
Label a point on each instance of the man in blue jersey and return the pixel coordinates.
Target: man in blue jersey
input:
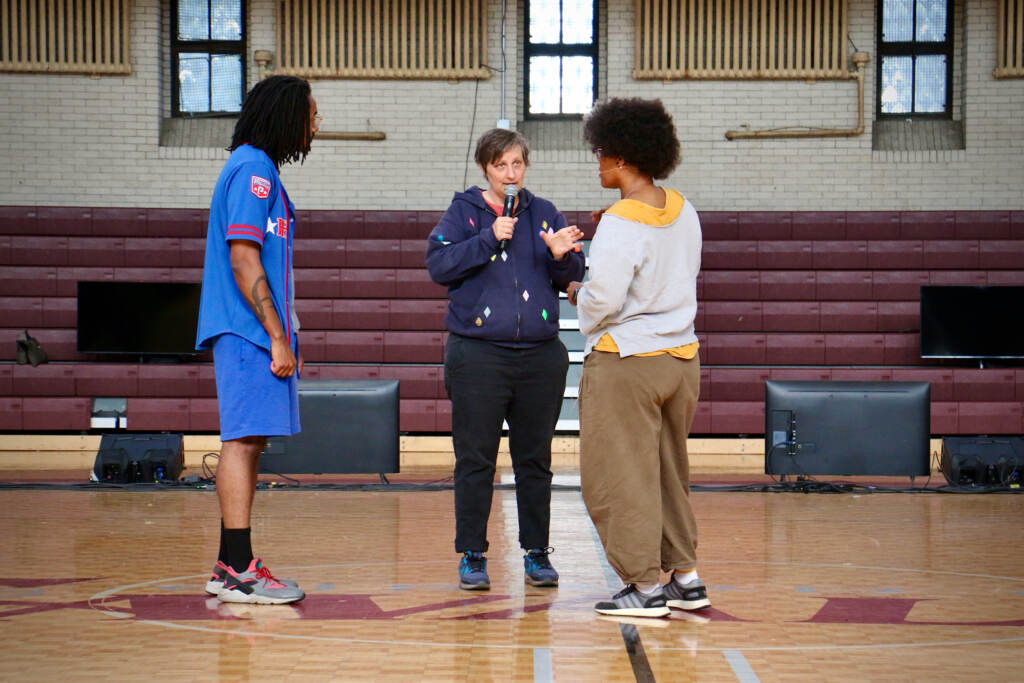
(247, 316)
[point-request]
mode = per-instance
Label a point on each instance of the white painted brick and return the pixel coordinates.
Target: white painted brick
(74, 140)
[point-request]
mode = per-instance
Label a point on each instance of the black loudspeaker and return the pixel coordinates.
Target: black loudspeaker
(139, 458)
(983, 461)
(348, 426)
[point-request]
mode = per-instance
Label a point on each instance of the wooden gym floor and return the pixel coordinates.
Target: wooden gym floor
(107, 584)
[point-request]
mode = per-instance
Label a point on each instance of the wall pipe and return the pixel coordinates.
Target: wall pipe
(859, 60)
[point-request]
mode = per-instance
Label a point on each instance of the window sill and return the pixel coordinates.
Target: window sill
(214, 133)
(917, 135)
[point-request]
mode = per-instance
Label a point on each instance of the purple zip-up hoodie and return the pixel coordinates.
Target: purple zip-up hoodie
(508, 297)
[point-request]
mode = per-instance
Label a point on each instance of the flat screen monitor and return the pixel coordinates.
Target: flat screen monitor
(972, 322)
(349, 426)
(138, 318)
(847, 428)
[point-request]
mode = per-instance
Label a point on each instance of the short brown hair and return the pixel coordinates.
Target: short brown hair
(496, 142)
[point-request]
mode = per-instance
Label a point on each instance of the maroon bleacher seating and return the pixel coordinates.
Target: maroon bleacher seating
(106, 379)
(418, 314)
(21, 311)
(792, 316)
(361, 314)
(203, 415)
(158, 414)
(320, 253)
(785, 255)
(788, 285)
(849, 316)
(146, 252)
(46, 414)
(836, 254)
(10, 413)
(819, 225)
(795, 349)
(813, 295)
(38, 250)
(737, 417)
(49, 379)
(366, 283)
(733, 316)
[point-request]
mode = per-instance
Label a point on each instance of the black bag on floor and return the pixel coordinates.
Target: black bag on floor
(29, 350)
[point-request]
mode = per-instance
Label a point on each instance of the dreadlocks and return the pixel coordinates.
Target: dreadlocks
(275, 118)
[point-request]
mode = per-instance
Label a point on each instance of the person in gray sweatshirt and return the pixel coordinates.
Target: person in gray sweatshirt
(641, 372)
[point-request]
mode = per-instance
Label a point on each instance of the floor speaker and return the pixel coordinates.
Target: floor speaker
(982, 461)
(139, 458)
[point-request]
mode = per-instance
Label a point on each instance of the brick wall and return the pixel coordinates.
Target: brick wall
(79, 141)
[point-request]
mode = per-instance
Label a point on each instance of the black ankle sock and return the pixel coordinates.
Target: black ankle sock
(238, 548)
(222, 554)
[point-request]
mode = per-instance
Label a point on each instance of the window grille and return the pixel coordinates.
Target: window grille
(411, 39)
(753, 39)
(1010, 39)
(65, 36)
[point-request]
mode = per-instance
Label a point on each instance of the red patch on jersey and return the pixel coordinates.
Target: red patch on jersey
(282, 227)
(259, 186)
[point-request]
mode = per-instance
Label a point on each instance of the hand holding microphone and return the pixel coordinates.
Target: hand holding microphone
(503, 229)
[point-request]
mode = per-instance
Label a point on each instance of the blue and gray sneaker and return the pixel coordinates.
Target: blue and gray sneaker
(539, 571)
(473, 572)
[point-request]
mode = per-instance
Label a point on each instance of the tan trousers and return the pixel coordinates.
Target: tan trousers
(635, 415)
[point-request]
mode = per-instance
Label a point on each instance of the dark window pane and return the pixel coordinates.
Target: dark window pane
(930, 84)
(897, 21)
(931, 20)
(194, 82)
(227, 20)
(226, 83)
(193, 20)
(896, 85)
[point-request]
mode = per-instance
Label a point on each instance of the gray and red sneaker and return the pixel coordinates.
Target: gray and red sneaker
(220, 570)
(256, 585)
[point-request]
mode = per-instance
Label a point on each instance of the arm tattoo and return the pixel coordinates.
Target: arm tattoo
(256, 301)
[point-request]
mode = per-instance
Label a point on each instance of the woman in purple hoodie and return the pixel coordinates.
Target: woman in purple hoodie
(504, 255)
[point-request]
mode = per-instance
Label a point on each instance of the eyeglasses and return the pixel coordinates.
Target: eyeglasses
(598, 152)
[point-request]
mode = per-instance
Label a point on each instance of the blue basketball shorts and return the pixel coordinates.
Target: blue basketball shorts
(252, 401)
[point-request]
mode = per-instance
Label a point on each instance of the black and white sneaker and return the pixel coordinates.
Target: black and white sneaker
(693, 595)
(630, 602)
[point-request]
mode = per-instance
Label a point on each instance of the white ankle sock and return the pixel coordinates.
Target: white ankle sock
(683, 578)
(647, 590)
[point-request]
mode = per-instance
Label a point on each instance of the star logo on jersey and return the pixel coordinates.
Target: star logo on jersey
(278, 227)
(259, 186)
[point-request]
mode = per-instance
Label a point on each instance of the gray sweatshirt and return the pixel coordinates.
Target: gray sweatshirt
(642, 287)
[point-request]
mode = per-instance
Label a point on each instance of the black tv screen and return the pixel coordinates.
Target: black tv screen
(847, 428)
(349, 426)
(972, 322)
(139, 318)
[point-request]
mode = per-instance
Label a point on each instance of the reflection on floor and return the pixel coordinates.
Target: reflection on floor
(108, 583)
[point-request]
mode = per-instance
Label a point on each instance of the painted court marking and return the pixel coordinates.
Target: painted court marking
(102, 595)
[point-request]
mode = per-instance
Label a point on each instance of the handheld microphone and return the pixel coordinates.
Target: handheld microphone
(510, 201)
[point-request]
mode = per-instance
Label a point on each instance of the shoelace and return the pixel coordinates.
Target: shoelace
(540, 557)
(475, 563)
(265, 574)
